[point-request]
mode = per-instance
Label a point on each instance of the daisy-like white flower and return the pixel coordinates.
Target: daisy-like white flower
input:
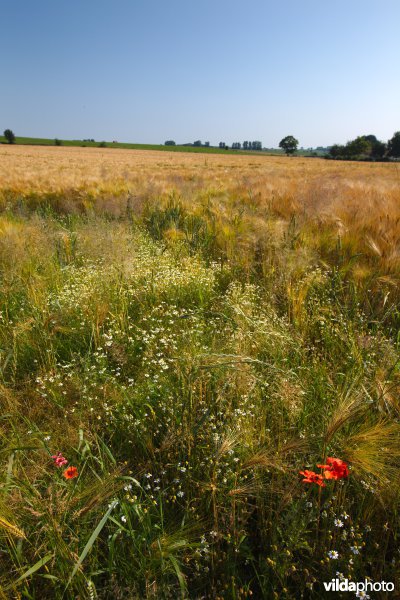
(338, 523)
(213, 534)
(333, 554)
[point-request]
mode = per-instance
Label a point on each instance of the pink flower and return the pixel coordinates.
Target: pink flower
(59, 460)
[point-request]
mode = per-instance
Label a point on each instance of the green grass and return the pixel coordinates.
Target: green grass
(126, 146)
(161, 147)
(188, 389)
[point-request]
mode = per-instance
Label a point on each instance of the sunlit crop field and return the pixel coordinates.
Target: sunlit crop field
(199, 374)
(35, 168)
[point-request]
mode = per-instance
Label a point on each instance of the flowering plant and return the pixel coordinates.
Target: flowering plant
(59, 460)
(311, 477)
(334, 469)
(70, 473)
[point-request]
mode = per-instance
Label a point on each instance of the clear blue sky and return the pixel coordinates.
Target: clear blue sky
(215, 70)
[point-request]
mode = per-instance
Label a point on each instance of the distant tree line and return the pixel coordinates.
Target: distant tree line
(197, 143)
(246, 145)
(364, 147)
(367, 147)
(256, 145)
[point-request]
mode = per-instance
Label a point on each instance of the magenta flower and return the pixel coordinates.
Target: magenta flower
(59, 460)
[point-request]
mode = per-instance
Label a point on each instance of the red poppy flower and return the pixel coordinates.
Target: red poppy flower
(335, 469)
(311, 477)
(70, 473)
(59, 460)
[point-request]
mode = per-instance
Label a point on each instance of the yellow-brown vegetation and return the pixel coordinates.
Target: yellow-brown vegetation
(189, 332)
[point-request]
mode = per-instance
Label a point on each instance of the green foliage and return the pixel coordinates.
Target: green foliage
(9, 135)
(205, 148)
(188, 391)
(361, 148)
(289, 144)
(394, 145)
(358, 146)
(378, 149)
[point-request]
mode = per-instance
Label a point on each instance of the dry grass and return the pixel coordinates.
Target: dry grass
(356, 202)
(321, 183)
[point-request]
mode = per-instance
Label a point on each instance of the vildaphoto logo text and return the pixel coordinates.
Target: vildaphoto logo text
(344, 585)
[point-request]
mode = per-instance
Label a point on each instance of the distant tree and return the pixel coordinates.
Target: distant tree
(358, 147)
(289, 144)
(256, 145)
(236, 146)
(245, 145)
(222, 145)
(170, 143)
(9, 135)
(362, 147)
(379, 149)
(207, 144)
(370, 138)
(393, 145)
(197, 143)
(57, 142)
(102, 145)
(336, 151)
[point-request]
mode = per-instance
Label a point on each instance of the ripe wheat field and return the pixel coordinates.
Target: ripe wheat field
(199, 374)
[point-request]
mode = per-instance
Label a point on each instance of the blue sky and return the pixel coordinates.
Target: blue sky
(216, 70)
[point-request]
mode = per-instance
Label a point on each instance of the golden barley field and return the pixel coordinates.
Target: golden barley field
(199, 374)
(355, 203)
(46, 169)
